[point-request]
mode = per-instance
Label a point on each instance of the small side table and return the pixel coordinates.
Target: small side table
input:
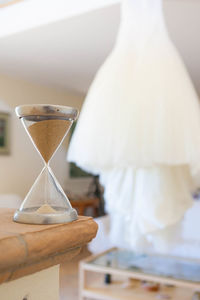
(120, 265)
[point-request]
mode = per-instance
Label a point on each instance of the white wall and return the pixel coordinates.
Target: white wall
(38, 286)
(183, 22)
(19, 169)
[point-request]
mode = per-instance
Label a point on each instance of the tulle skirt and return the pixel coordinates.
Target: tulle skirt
(142, 112)
(140, 130)
(144, 202)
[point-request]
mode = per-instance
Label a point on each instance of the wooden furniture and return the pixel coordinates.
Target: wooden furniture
(30, 255)
(81, 203)
(92, 276)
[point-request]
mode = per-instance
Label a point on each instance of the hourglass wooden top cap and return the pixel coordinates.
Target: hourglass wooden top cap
(47, 111)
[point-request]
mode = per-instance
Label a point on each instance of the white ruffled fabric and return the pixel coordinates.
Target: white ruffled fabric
(144, 201)
(187, 242)
(140, 129)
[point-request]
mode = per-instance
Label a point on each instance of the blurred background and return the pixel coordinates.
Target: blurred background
(50, 52)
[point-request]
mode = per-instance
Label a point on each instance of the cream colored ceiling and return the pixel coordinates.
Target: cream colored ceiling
(67, 53)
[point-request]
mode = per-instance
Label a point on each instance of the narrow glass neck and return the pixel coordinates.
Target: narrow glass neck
(46, 164)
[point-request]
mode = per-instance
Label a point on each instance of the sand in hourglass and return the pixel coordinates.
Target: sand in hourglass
(47, 136)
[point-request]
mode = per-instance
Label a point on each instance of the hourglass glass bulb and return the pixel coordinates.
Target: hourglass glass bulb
(46, 202)
(47, 136)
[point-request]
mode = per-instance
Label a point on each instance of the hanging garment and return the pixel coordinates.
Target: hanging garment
(140, 128)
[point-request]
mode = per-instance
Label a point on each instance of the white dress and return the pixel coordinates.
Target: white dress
(140, 128)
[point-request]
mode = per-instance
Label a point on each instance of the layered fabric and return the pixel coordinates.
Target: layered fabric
(140, 129)
(147, 204)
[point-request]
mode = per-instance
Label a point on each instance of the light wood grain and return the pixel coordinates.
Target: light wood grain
(25, 249)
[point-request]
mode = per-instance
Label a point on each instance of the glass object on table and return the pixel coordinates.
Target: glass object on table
(151, 264)
(46, 202)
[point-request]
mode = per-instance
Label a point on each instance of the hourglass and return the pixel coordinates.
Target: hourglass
(46, 202)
